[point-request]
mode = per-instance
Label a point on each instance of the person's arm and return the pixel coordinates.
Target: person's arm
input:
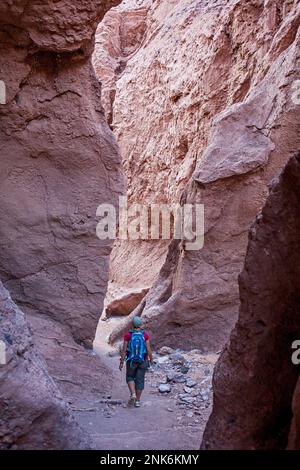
(123, 354)
(149, 351)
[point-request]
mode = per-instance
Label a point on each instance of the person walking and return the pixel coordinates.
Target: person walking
(137, 352)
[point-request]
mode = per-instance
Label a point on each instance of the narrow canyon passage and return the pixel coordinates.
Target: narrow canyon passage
(176, 418)
(161, 102)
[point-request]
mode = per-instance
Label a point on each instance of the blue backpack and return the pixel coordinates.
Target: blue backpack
(137, 349)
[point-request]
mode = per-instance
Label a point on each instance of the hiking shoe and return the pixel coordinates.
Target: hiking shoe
(137, 403)
(132, 400)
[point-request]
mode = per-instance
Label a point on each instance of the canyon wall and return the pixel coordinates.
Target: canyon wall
(255, 378)
(59, 161)
(33, 412)
(294, 434)
(205, 111)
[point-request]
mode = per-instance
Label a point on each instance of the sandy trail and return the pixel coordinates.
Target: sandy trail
(160, 423)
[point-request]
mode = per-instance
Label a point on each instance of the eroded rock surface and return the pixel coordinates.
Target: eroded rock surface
(59, 161)
(206, 111)
(118, 37)
(33, 412)
(294, 436)
(255, 379)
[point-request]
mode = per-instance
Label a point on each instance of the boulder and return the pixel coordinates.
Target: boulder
(126, 304)
(255, 380)
(33, 413)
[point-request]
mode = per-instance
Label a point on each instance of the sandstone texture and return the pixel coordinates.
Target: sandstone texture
(255, 379)
(205, 111)
(59, 161)
(294, 435)
(79, 374)
(118, 37)
(33, 412)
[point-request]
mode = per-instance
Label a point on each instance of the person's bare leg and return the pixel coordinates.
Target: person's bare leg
(131, 386)
(132, 399)
(138, 394)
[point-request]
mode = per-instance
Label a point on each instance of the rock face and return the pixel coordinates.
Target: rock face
(294, 436)
(255, 379)
(126, 304)
(59, 161)
(33, 412)
(206, 111)
(118, 37)
(78, 373)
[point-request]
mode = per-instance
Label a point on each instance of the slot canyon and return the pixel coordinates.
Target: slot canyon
(164, 102)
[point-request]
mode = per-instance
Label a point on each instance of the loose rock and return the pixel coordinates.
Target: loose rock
(187, 399)
(164, 388)
(190, 382)
(179, 379)
(177, 358)
(165, 351)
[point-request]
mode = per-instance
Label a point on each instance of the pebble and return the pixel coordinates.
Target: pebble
(165, 350)
(177, 358)
(184, 369)
(164, 388)
(170, 409)
(190, 382)
(162, 359)
(179, 379)
(189, 414)
(187, 399)
(191, 391)
(163, 380)
(171, 375)
(204, 396)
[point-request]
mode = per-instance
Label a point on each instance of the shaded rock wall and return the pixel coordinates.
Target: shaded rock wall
(294, 435)
(255, 379)
(59, 161)
(212, 119)
(33, 412)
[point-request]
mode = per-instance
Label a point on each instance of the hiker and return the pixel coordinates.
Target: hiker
(137, 350)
